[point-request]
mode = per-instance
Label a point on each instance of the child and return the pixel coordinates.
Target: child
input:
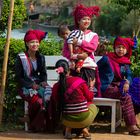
(70, 51)
(116, 77)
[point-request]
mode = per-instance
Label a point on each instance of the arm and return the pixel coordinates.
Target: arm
(22, 79)
(42, 68)
(128, 80)
(89, 46)
(87, 93)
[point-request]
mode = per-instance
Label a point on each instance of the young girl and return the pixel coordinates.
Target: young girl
(88, 43)
(73, 100)
(116, 78)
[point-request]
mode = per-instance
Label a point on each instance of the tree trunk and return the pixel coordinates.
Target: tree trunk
(6, 52)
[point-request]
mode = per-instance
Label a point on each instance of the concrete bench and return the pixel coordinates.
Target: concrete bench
(53, 78)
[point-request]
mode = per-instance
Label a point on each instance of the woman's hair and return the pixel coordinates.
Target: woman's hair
(62, 80)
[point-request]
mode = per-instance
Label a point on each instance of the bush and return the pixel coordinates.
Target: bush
(12, 108)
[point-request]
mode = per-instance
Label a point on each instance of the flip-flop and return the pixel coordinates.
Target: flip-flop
(69, 136)
(87, 137)
(135, 133)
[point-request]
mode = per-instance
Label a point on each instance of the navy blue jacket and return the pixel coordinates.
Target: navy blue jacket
(107, 75)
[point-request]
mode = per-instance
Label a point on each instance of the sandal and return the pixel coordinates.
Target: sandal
(69, 136)
(135, 133)
(87, 137)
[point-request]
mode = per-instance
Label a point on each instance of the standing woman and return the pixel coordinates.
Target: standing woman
(72, 100)
(89, 42)
(32, 79)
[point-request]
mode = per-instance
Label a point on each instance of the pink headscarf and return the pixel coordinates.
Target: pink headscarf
(34, 34)
(80, 11)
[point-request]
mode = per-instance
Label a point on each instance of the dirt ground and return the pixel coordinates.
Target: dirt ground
(97, 133)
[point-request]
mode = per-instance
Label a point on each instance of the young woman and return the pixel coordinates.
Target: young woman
(72, 100)
(116, 78)
(32, 80)
(88, 43)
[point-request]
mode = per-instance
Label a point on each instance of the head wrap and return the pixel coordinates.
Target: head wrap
(34, 35)
(80, 11)
(128, 43)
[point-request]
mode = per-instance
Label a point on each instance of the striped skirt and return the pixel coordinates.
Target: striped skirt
(80, 120)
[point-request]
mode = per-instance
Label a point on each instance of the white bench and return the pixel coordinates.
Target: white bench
(53, 78)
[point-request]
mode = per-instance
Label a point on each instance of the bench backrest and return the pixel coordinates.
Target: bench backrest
(50, 65)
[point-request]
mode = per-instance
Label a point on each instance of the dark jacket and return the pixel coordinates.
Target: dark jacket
(40, 74)
(107, 75)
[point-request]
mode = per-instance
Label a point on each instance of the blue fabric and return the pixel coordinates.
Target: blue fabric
(106, 73)
(134, 91)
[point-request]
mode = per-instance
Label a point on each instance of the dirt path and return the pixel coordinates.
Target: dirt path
(96, 134)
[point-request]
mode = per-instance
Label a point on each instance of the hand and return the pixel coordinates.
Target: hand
(125, 87)
(44, 84)
(91, 83)
(35, 86)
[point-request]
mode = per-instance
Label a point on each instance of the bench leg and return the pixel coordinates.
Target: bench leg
(113, 118)
(26, 114)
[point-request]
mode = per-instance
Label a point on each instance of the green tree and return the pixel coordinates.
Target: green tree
(18, 17)
(131, 6)
(109, 20)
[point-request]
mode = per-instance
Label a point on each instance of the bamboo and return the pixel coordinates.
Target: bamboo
(5, 61)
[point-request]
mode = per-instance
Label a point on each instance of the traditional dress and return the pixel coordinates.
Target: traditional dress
(79, 110)
(30, 72)
(114, 71)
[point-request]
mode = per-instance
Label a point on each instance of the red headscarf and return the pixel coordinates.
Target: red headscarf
(115, 60)
(128, 43)
(80, 11)
(34, 34)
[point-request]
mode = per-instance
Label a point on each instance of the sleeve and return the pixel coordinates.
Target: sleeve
(87, 93)
(129, 74)
(22, 79)
(43, 70)
(89, 46)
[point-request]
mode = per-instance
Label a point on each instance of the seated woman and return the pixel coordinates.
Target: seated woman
(73, 101)
(115, 76)
(32, 80)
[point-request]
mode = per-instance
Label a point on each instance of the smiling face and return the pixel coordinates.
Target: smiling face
(120, 50)
(33, 45)
(84, 23)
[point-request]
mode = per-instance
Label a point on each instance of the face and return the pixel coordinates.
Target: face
(84, 23)
(65, 34)
(120, 50)
(33, 45)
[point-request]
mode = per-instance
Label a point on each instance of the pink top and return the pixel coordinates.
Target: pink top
(89, 44)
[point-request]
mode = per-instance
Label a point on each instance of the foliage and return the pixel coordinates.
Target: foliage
(135, 67)
(131, 6)
(128, 4)
(13, 108)
(109, 20)
(18, 16)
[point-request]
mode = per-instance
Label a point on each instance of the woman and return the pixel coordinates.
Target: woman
(88, 43)
(32, 80)
(116, 77)
(73, 101)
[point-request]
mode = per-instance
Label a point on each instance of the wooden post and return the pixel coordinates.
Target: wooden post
(6, 52)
